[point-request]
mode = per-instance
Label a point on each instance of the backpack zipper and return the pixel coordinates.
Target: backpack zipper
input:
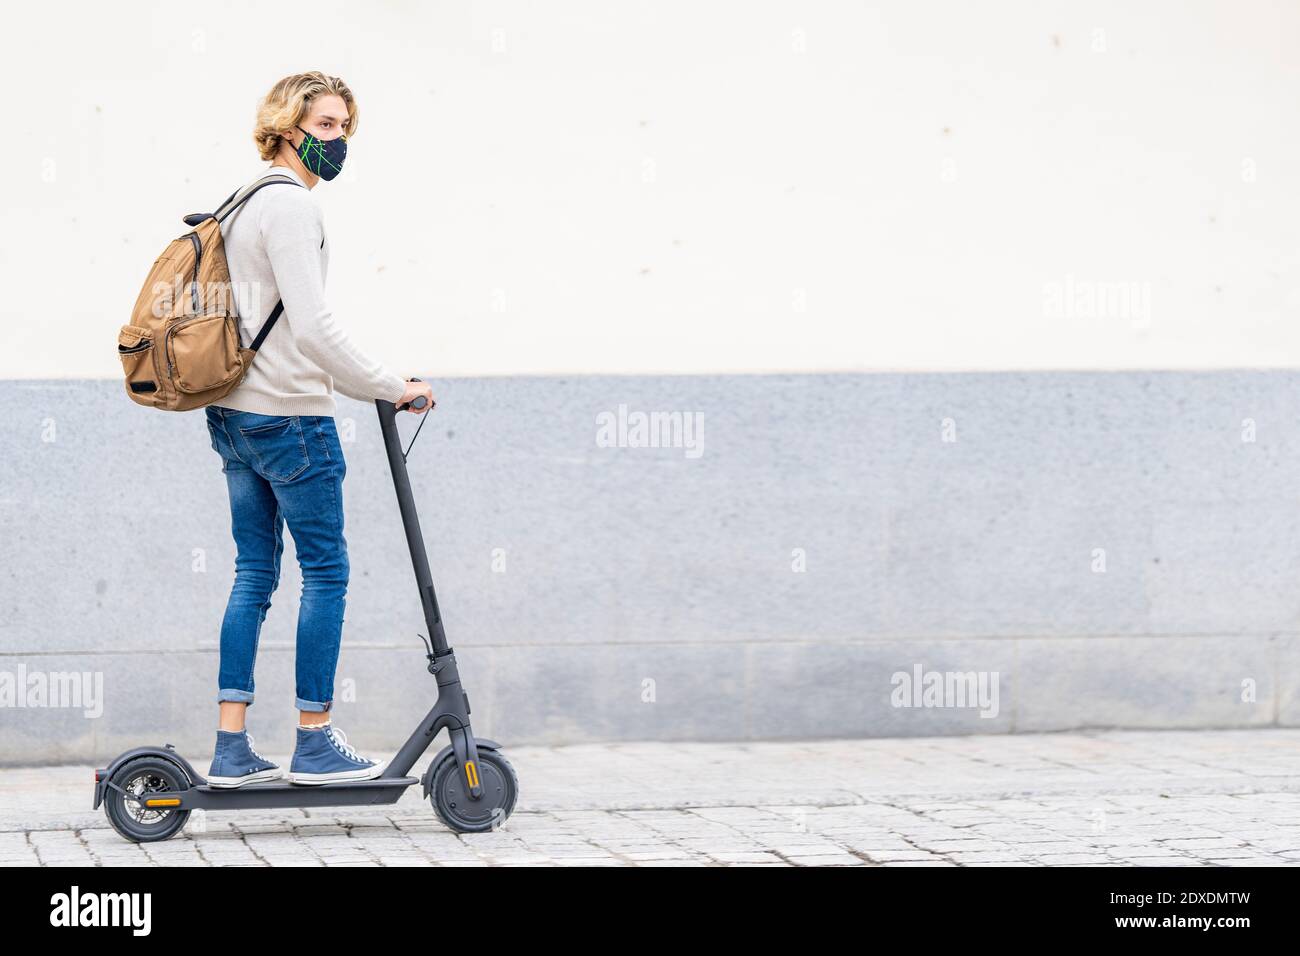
(167, 340)
(194, 282)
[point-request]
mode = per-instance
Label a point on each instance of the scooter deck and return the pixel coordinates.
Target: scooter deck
(276, 793)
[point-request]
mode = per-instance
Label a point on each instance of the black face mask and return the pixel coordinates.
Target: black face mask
(324, 157)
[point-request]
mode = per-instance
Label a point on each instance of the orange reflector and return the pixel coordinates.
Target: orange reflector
(471, 773)
(172, 802)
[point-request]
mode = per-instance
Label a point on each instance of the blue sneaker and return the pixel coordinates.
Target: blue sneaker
(236, 763)
(324, 756)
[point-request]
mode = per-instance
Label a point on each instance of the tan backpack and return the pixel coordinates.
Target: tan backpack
(182, 349)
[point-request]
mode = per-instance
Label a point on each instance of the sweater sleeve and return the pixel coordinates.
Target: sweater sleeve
(292, 232)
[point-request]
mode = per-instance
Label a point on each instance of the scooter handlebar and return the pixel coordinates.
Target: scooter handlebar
(419, 402)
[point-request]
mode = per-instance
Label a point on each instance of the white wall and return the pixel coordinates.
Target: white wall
(688, 186)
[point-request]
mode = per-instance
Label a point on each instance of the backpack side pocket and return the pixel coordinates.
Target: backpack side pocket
(135, 347)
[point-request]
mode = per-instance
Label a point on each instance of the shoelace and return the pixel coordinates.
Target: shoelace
(254, 752)
(343, 744)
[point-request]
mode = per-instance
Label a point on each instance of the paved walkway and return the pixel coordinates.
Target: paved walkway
(1147, 798)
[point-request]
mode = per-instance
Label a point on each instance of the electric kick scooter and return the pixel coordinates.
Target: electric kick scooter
(148, 793)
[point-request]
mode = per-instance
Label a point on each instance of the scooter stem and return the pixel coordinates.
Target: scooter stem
(411, 522)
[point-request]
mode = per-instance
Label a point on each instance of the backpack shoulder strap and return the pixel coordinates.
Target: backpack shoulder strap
(195, 218)
(223, 213)
(267, 326)
(279, 306)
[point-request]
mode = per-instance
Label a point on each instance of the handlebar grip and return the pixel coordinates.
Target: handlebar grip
(419, 402)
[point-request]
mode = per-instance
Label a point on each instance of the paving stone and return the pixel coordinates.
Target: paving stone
(1105, 798)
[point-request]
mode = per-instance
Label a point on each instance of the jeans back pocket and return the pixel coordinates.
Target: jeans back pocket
(276, 445)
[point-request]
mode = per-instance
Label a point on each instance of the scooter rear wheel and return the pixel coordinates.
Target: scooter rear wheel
(147, 775)
(453, 803)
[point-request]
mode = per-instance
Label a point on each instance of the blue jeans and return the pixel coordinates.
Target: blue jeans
(283, 469)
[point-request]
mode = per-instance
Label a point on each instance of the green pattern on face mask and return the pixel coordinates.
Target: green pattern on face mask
(312, 154)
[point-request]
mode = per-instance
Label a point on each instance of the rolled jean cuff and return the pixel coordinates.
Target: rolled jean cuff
(236, 695)
(315, 705)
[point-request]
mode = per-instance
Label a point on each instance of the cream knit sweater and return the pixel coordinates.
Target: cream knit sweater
(276, 248)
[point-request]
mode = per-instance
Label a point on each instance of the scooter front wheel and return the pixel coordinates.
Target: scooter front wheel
(145, 777)
(458, 809)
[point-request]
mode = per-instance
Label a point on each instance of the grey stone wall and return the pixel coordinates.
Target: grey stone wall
(1114, 549)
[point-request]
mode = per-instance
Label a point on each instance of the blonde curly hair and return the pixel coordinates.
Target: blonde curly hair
(285, 106)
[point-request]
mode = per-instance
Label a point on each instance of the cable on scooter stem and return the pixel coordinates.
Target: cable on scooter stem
(419, 402)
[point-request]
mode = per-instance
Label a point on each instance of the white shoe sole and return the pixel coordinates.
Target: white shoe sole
(232, 782)
(338, 776)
